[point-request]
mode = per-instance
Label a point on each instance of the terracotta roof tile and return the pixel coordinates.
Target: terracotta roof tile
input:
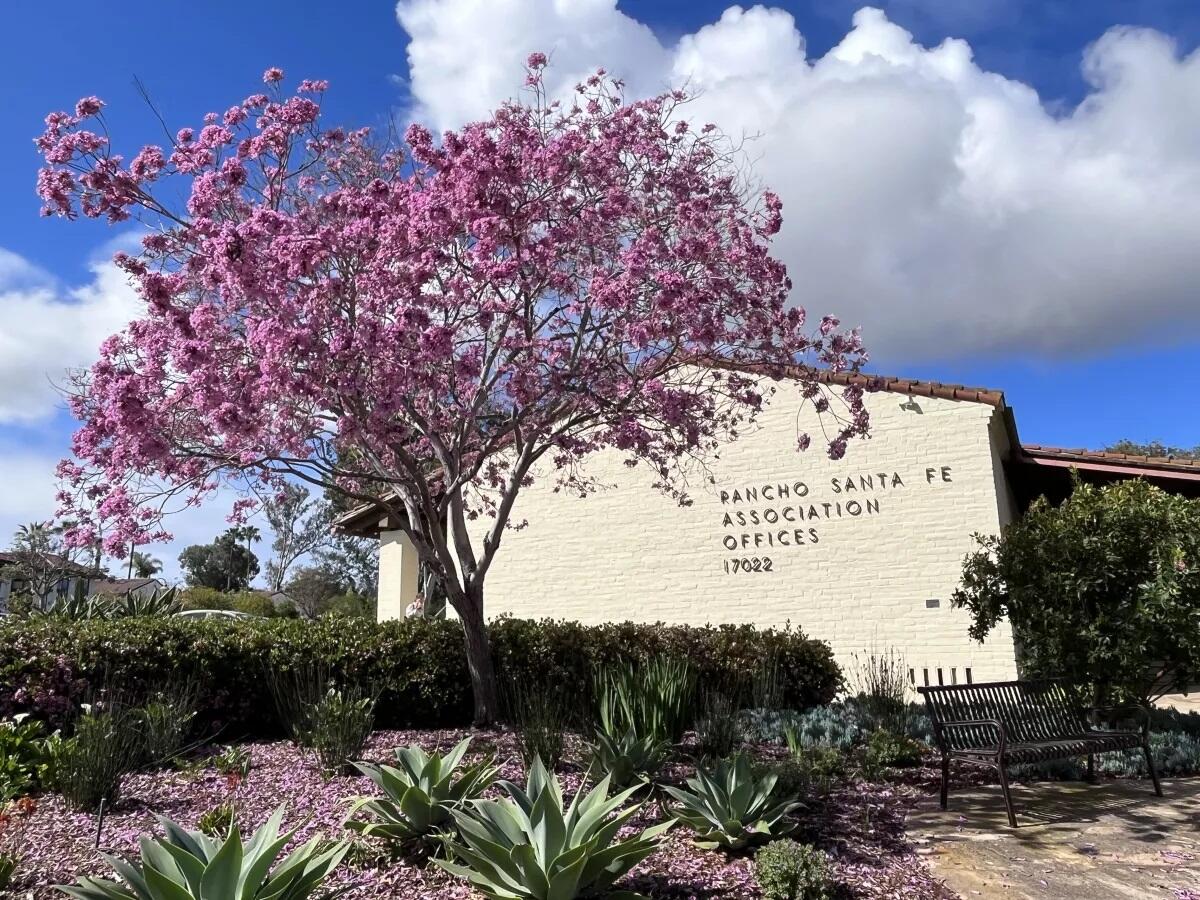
(1079, 454)
(911, 386)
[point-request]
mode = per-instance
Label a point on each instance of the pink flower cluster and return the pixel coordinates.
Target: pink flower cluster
(433, 318)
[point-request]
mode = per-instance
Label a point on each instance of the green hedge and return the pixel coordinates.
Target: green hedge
(418, 666)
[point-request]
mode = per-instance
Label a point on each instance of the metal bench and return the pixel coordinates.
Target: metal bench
(1003, 723)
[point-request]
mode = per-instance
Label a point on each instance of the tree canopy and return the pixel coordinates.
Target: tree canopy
(435, 324)
(224, 565)
(1103, 589)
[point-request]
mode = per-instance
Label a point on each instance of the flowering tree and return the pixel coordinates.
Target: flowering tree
(429, 326)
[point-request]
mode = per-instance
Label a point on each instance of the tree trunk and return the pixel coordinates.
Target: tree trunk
(479, 659)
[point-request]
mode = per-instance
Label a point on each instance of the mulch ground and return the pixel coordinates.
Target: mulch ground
(860, 826)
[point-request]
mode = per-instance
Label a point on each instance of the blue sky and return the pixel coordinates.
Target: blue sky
(1118, 358)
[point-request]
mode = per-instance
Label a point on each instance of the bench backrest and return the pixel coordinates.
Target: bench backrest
(1030, 711)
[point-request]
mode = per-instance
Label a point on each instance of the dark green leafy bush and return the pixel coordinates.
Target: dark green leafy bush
(417, 667)
(786, 870)
(1101, 590)
(25, 758)
(898, 751)
(808, 770)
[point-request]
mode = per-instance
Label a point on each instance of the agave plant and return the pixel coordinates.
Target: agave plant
(76, 608)
(160, 603)
(527, 847)
(628, 758)
(189, 865)
(421, 793)
(729, 808)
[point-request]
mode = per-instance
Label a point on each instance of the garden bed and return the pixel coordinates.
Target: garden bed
(860, 825)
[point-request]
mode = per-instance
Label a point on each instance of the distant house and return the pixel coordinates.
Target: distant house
(74, 578)
(119, 587)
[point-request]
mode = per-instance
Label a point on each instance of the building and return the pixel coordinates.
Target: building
(60, 576)
(863, 552)
(142, 588)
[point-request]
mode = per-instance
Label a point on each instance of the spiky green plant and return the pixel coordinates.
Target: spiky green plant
(106, 746)
(730, 808)
(164, 720)
(190, 865)
(654, 698)
(528, 847)
(339, 725)
(421, 793)
(160, 603)
(76, 608)
(8, 865)
(628, 758)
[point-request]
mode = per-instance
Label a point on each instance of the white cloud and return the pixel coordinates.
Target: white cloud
(48, 330)
(941, 206)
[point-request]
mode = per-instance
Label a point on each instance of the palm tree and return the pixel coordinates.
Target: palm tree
(250, 533)
(144, 565)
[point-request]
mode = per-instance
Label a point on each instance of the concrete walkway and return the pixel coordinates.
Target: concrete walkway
(1106, 841)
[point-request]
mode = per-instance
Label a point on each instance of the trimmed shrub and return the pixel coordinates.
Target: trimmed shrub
(897, 751)
(786, 870)
(416, 667)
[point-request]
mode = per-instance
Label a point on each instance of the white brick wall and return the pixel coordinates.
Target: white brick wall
(627, 552)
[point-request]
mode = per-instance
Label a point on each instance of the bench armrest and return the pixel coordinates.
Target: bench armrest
(1130, 711)
(1001, 732)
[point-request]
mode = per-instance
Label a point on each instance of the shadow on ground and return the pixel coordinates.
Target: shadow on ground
(1100, 841)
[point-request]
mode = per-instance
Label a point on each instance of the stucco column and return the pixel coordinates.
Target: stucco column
(398, 569)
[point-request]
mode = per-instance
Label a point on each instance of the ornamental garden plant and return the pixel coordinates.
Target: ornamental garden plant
(428, 324)
(810, 801)
(429, 812)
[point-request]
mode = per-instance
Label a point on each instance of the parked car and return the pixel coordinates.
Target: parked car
(215, 614)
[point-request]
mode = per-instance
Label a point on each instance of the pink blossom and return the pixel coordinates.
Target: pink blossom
(542, 284)
(88, 106)
(273, 75)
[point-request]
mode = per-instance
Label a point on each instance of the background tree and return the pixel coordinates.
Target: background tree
(144, 565)
(42, 561)
(354, 559)
(432, 326)
(299, 526)
(1103, 589)
(250, 534)
(223, 565)
(1154, 448)
(312, 588)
